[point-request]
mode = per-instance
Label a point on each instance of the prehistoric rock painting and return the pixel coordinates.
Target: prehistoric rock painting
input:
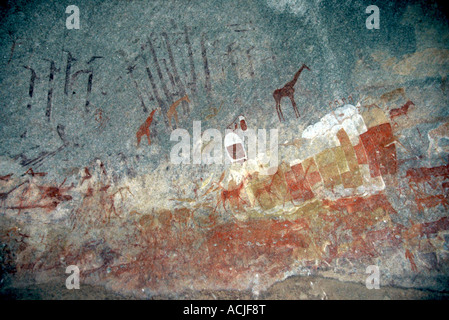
(353, 164)
(429, 186)
(144, 129)
(362, 178)
(288, 90)
(172, 110)
(330, 205)
(402, 111)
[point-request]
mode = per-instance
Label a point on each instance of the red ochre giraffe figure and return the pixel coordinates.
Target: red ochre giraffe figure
(288, 91)
(144, 129)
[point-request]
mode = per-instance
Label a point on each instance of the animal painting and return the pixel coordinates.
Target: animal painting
(402, 111)
(288, 91)
(172, 110)
(144, 129)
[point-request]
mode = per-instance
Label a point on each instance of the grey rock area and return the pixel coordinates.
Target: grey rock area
(73, 102)
(251, 49)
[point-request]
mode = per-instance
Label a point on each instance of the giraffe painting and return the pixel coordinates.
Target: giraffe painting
(287, 91)
(172, 110)
(144, 129)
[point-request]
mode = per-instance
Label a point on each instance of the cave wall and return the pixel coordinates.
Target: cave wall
(86, 154)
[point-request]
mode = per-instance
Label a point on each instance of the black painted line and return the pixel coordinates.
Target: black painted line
(205, 64)
(192, 64)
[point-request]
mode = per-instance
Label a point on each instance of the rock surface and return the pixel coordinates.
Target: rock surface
(92, 120)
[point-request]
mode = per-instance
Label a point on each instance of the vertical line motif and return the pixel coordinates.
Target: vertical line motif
(159, 73)
(89, 89)
(192, 65)
(205, 64)
(182, 90)
(32, 83)
(68, 68)
(160, 102)
(51, 76)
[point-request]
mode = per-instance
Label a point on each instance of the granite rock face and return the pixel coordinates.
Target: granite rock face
(115, 151)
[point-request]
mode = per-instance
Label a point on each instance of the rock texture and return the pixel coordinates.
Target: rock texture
(88, 118)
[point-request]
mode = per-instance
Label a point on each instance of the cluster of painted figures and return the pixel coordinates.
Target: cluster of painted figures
(341, 212)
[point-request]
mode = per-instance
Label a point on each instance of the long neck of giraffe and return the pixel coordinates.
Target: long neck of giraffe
(177, 102)
(298, 73)
(150, 118)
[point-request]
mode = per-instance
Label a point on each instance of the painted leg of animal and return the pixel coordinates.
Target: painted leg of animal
(176, 119)
(222, 199)
(277, 99)
(238, 202)
(295, 108)
(279, 110)
(139, 137)
(169, 122)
